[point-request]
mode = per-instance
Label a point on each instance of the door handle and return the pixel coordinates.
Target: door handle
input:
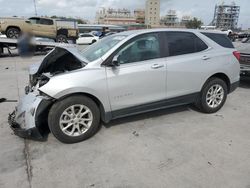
(205, 57)
(156, 66)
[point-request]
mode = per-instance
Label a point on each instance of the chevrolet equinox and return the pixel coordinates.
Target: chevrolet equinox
(71, 91)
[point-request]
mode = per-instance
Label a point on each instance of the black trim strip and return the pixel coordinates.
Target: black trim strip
(177, 101)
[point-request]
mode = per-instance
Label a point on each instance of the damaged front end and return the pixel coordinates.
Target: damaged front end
(29, 119)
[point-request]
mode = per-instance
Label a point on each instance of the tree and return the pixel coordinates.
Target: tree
(194, 23)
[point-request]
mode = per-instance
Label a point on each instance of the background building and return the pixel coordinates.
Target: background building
(226, 16)
(185, 19)
(115, 16)
(152, 13)
(171, 19)
(139, 15)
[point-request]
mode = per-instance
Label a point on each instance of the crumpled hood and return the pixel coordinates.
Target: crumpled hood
(61, 48)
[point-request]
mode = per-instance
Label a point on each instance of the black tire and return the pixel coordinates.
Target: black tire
(60, 106)
(201, 102)
(13, 33)
(93, 41)
(62, 39)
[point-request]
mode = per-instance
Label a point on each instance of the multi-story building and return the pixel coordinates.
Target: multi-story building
(185, 19)
(152, 13)
(139, 15)
(115, 17)
(171, 19)
(226, 16)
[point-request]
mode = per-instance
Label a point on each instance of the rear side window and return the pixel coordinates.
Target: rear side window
(86, 35)
(46, 22)
(220, 39)
(180, 43)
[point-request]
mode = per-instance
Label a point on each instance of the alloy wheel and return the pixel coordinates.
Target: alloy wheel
(215, 96)
(76, 120)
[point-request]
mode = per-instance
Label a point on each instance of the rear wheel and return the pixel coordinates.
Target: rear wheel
(74, 119)
(62, 39)
(213, 96)
(13, 32)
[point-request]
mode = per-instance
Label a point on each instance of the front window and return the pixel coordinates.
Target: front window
(144, 47)
(97, 50)
(34, 20)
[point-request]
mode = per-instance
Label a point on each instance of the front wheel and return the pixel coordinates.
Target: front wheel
(213, 96)
(62, 39)
(74, 119)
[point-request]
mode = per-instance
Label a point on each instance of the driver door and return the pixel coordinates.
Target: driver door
(141, 77)
(36, 26)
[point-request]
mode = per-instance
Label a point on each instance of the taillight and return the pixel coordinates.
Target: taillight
(237, 55)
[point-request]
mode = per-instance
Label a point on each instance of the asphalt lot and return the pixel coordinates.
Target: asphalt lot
(177, 147)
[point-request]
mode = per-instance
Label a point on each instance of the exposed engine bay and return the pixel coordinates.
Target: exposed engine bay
(58, 61)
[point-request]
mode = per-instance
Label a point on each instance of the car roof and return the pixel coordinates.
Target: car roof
(136, 32)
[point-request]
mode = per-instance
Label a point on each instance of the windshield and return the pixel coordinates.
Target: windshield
(100, 48)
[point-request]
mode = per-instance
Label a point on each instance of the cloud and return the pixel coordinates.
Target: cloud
(87, 8)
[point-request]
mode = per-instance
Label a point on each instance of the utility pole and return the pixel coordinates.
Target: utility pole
(35, 7)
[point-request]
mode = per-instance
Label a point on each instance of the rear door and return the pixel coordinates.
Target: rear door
(186, 63)
(141, 77)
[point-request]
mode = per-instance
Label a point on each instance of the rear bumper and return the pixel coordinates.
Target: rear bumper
(29, 119)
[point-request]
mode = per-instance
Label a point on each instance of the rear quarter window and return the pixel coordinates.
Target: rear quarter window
(180, 43)
(220, 39)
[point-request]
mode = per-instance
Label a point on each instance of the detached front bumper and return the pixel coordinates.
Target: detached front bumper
(29, 119)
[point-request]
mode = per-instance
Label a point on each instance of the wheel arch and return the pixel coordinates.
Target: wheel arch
(62, 32)
(222, 76)
(105, 116)
(12, 26)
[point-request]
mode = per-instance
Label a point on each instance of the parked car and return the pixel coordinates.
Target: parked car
(245, 64)
(87, 38)
(244, 49)
(59, 30)
(124, 74)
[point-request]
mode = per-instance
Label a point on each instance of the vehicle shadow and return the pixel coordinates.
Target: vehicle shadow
(148, 115)
(245, 82)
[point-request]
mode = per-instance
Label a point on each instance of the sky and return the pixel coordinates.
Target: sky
(87, 8)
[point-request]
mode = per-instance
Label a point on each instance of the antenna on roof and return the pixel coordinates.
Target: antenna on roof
(35, 7)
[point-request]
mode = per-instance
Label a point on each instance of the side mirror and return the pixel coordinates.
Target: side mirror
(115, 62)
(28, 21)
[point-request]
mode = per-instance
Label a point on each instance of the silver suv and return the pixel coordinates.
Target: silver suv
(72, 91)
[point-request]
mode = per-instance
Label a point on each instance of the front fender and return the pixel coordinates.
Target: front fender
(79, 82)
